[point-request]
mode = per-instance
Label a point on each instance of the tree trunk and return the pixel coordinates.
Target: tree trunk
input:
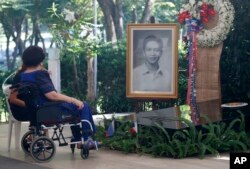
(7, 52)
(113, 15)
(147, 11)
(90, 78)
(118, 19)
(36, 34)
(26, 30)
(107, 7)
(134, 16)
(16, 34)
(19, 41)
(75, 74)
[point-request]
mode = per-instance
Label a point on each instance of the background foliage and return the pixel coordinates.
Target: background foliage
(235, 58)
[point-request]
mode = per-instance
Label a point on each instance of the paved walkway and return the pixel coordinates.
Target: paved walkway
(10, 163)
(108, 159)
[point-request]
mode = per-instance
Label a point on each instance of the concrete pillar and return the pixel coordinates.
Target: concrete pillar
(54, 67)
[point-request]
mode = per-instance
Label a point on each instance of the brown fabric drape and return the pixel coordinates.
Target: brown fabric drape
(208, 82)
(208, 79)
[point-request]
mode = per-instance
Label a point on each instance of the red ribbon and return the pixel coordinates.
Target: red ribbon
(191, 93)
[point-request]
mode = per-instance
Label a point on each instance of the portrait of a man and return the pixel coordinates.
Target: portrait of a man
(152, 61)
(151, 75)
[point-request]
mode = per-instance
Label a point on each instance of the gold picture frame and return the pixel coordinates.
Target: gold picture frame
(152, 61)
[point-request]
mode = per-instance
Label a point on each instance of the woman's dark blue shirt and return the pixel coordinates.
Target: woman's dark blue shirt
(42, 80)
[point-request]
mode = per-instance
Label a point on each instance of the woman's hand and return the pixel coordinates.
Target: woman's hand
(15, 100)
(78, 103)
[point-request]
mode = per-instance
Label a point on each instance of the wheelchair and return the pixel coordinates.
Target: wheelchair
(49, 116)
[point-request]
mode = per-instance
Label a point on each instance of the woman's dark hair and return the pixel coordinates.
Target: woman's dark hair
(33, 56)
(22, 69)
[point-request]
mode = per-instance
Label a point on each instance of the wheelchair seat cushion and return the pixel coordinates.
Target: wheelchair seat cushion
(54, 113)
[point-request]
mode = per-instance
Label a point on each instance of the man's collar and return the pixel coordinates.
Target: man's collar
(146, 71)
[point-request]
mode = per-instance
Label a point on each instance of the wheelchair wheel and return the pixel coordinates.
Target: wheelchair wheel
(84, 152)
(42, 149)
(26, 141)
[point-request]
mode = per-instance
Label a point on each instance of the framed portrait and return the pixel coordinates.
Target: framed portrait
(152, 61)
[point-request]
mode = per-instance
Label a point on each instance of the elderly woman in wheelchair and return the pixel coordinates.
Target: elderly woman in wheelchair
(34, 95)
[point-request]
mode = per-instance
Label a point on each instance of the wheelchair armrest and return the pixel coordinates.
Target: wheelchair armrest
(54, 113)
(54, 103)
(57, 103)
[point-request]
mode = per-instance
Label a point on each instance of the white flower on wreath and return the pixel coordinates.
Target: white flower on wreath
(216, 35)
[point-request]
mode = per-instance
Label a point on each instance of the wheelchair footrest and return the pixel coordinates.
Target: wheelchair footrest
(63, 144)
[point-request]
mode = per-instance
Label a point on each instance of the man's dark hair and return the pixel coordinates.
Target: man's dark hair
(152, 38)
(33, 56)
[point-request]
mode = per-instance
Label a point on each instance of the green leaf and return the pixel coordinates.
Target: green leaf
(192, 132)
(163, 130)
(237, 145)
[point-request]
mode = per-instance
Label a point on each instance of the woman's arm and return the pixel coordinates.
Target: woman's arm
(54, 96)
(46, 86)
(13, 93)
(14, 100)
